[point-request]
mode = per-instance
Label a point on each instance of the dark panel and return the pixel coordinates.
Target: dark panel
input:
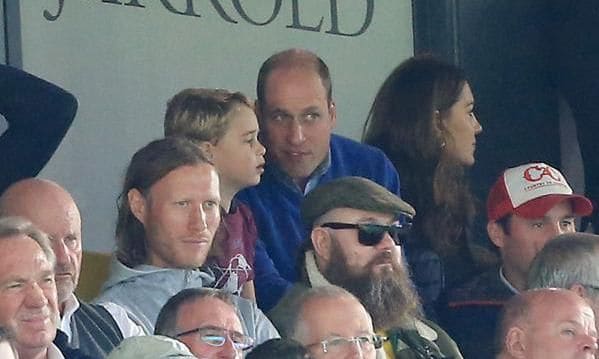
(504, 48)
(12, 33)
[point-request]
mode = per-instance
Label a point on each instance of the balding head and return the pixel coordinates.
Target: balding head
(322, 313)
(52, 209)
(547, 324)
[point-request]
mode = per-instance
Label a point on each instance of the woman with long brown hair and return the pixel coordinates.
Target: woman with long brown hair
(423, 119)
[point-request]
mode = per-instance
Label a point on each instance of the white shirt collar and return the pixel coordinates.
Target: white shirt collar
(54, 352)
(506, 282)
(71, 305)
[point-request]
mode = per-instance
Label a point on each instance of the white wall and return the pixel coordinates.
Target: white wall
(123, 63)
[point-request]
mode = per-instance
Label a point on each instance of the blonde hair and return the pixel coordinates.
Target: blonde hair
(201, 114)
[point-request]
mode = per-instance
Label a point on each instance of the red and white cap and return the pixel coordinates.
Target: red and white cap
(530, 191)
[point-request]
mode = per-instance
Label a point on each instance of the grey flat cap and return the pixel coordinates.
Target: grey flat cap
(351, 192)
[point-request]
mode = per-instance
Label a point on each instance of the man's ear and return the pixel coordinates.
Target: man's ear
(321, 241)
(137, 204)
(496, 233)
(515, 343)
(579, 289)
(333, 113)
(257, 109)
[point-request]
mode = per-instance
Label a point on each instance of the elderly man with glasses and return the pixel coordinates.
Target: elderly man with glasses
(332, 323)
(206, 321)
(356, 229)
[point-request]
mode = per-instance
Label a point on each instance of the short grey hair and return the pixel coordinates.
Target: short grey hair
(16, 226)
(166, 324)
(566, 260)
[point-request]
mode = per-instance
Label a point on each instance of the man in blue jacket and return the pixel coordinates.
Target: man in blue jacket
(297, 115)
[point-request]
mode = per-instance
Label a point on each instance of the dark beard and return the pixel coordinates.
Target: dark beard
(389, 296)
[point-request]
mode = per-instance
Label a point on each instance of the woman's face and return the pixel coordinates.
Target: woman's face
(461, 127)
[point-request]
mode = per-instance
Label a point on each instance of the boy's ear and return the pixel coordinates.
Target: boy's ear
(207, 147)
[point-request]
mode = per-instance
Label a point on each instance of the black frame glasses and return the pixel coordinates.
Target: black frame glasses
(371, 234)
(217, 337)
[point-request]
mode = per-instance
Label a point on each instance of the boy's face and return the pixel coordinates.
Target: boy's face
(238, 156)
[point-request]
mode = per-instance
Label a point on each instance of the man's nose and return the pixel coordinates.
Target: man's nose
(296, 132)
(387, 242)
(197, 219)
(60, 251)
(36, 297)
(228, 350)
(356, 351)
(589, 343)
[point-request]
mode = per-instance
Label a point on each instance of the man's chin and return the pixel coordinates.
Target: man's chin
(64, 290)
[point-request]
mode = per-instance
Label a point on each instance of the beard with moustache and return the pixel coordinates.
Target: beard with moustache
(388, 295)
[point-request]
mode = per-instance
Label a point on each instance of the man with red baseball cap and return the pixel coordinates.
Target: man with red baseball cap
(527, 206)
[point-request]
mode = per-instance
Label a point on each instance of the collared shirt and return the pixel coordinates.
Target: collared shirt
(119, 314)
(506, 282)
(54, 352)
(313, 180)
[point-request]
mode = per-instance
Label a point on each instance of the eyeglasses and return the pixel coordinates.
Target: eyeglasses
(370, 234)
(337, 345)
(217, 337)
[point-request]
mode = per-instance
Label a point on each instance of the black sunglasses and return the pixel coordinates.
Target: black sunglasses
(370, 234)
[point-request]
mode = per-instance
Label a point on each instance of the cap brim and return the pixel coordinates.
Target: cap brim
(538, 207)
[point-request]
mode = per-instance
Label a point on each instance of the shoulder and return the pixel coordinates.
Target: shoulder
(351, 158)
(487, 289)
(446, 344)
(345, 145)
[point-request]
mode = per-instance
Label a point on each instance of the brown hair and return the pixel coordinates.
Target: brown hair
(401, 123)
(148, 166)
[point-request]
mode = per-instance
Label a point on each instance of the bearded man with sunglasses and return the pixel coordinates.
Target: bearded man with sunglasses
(356, 227)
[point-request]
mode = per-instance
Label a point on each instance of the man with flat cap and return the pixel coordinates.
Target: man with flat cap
(355, 231)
